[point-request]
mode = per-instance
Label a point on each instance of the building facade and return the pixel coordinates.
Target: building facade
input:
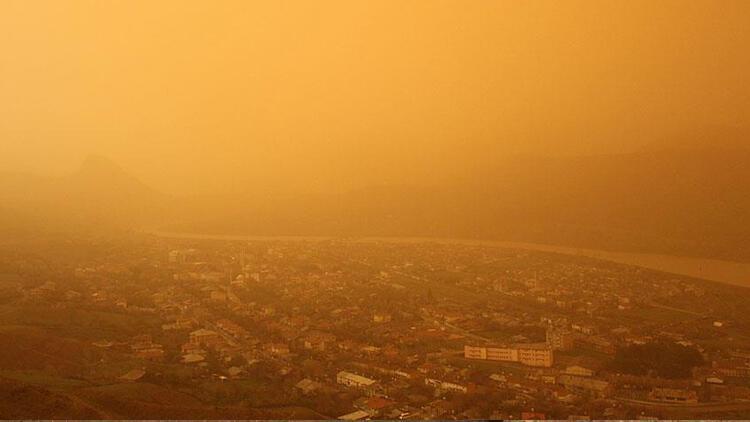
(356, 381)
(527, 354)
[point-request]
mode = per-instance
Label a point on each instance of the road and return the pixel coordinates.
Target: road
(698, 407)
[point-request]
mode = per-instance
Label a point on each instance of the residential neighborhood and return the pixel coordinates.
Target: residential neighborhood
(368, 329)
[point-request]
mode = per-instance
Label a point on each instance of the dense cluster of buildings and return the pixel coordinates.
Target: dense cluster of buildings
(374, 330)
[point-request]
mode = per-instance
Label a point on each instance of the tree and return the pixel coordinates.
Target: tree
(661, 359)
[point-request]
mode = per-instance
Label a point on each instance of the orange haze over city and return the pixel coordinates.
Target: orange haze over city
(375, 210)
(324, 96)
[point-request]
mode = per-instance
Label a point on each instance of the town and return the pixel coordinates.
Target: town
(368, 329)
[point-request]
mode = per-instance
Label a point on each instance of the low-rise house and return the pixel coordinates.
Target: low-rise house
(502, 379)
(193, 358)
(437, 409)
(279, 349)
(370, 350)
(374, 406)
(673, 395)
(233, 329)
(562, 395)
(152, 353)
(205, 337)
(144, 348)
(235, 372)
(404, 412)
(429, 368)
(381, 317)
(218, 296)
(585, 384)
(192, 348)
(308, 386)
(354, 416)
(444, 385)
(318, 341)
(578, 371)
(133, 375)
(531, 415)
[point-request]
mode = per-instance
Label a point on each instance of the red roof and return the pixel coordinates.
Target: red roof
(378, 403)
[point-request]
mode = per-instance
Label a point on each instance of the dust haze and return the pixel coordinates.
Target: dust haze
(390, 210)
(323, 97)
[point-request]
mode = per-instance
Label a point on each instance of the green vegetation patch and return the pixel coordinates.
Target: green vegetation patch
(662, 359)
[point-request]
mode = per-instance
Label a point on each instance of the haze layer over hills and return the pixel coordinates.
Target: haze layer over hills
(683, 201)
(402, 118)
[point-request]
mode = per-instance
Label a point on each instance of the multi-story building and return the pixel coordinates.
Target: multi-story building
(356, 381)
(526, 354)
(559, 338)
(535, 355)
(596, 344)
(502, 353)
(475, 352)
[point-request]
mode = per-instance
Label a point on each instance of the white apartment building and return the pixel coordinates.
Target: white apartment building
(526, 354)
(353, 380)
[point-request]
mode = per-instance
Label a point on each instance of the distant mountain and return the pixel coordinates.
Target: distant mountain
(102, 192)
(100, 195)
(684, 201)
(692, 201)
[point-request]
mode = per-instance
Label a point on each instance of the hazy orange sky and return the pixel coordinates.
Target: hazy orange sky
(223, 95)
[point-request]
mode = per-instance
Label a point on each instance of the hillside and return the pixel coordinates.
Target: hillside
(31, 349)
(685, 201)
(23, 401)
(98, 196)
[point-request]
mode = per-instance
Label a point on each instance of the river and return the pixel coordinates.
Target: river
(729, 272)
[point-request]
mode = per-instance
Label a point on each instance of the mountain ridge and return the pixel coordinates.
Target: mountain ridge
(683, 202)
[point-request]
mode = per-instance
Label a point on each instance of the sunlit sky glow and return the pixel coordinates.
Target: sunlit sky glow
(209, 96)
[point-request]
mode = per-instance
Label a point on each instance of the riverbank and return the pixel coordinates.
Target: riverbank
(729, 272)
